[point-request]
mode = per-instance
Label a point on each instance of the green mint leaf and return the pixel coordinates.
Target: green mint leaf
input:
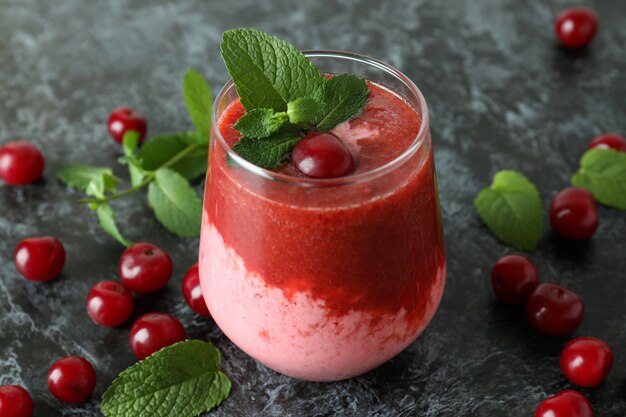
(343, 96)
(101, 185)
(197, 95)
(260, 123)
(130, 143)
(182, 380)
(160, 149)
(512, 210)
(303, 110)
(270, 152)
(175, 203)
(603, 172)
(107, 221)
(268, 72)
(79, 176)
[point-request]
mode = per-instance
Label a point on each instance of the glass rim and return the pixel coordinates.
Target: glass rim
(350, 179)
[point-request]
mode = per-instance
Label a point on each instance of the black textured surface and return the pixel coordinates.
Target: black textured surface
(501, 95)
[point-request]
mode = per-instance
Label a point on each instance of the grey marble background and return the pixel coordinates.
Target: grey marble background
(501, 95)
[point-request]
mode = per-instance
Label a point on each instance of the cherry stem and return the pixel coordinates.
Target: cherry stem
(147, 180)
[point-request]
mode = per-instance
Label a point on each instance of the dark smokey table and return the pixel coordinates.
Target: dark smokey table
(501, 95)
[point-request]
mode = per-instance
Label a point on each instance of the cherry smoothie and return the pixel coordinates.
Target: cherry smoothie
(326, 279)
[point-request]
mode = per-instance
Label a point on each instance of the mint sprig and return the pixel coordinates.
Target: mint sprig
(164, 164)
(603, 172)
(182, 380)
(511, 208)
(279, 87)
(269, 153)
(268, 72)
(342, 96)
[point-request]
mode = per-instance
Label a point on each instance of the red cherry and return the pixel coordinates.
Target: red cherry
(154, 331)
(123, 120)
(322, 155)
(193, 293)
(21, 162)
(72, 379)
(39, 258)
(15, 401)
(573, 213)
(109, 303)
(576, 27)
(609, 141)
(145, 268)
(554, 310)
(568, 403)
(513, 278)
(586, 361)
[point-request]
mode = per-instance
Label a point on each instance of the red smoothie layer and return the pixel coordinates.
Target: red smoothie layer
(374, 246)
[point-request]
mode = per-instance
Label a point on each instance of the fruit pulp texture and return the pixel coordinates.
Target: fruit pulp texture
(325, 283)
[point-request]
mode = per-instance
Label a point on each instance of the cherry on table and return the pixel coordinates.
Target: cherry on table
(513, 277)
(554, 310)
(574, 214)
(608, 141)
(109, 303)
(123, 120)
(568, 403)
(21, 162)
(322, 155)
(39, 258)
(154, 331)
(15, 401)
(72, 379)
(576, 27)
(193, 292)
(586, 361)
(145, 268)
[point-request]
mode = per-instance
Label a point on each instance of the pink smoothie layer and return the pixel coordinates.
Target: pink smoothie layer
(324, 283)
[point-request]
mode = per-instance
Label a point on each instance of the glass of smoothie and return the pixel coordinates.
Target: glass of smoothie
(325, 279)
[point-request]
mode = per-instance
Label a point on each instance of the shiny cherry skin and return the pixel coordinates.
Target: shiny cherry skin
(21, 162)
(609, 141)
(39, 258)
(72, 379)
(513, 278)
(586, 361)
(154, 331)
(145, 268)
(193, 293)
(322, 155)
(123, 120)
(574, 214)
(568, 403)
(576, 27)
(554, 310)
(15, 401)
(109, 303)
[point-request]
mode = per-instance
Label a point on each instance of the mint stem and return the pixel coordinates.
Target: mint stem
(149, 177)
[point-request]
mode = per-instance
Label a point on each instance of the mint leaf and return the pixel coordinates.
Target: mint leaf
(107, 221)
(270, 152)
(260, 123)
(130, 143)
(102, 184)
(603, 172)
(303, 110)
(197, 95)
(79, 176)
(268, 72)
(160, 149)
(512, 210)
(175, 204)
(182, 380)
(343, 96)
